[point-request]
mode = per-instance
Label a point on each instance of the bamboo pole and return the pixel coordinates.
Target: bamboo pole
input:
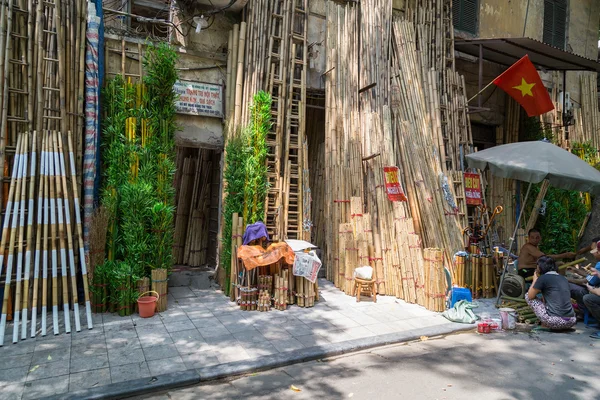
(38, 241)
(233, 292)
(240, 76)
(229, 73)
(6, 64)
(54, 234)
(11, 211)
(69, 233)
(82, 259)
(21, 217)
(45, 234)
(234, 66)
(29, 240)
(55, 168)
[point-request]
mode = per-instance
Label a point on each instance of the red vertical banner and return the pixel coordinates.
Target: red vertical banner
(473, 189)
(392, 184)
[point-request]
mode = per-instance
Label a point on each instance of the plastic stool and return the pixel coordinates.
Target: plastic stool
(588, 320)
(458, 294)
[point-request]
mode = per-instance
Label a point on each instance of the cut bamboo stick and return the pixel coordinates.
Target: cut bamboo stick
(69, 233)
(38, 241)
(55, 168)
(21, 217)
(45, 235)
(29, 240)
(82, 259)
(54, 245)
(10, 215)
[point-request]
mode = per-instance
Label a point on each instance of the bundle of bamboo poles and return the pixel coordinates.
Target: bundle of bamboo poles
(268, 51)
(159, 285)
(305, 292)
(435, 280)
(281, 289)
(587, 117)
(524, 312)
(417, 130)
(264, 301)
(54, 249)
(193, 198)
(42, 51)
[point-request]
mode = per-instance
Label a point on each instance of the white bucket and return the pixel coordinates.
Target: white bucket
(509, 318)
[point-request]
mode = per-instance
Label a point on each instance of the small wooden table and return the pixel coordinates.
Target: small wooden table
(366, 287)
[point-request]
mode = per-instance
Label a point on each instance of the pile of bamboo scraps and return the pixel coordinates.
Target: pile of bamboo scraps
(477, 273)
(44, 241)
(267, 277)
(193, 196)
(435, 280)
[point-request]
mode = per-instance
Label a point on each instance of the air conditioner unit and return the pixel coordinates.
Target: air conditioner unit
(568, 104)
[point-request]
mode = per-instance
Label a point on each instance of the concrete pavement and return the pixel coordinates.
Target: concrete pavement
(203, 336)
(499, 366)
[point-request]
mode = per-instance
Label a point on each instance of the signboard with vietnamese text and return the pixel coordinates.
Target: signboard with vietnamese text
(473, 189)
(198, 98)
(392, 184)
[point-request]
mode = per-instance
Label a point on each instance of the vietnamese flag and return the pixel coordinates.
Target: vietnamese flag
(522, 82)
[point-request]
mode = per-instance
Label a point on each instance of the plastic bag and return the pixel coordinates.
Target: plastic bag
(461, 312)
(365, 273)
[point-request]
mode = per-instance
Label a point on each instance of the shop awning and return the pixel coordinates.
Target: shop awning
(507, 51)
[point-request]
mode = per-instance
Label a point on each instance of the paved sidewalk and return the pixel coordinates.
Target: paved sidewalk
(201, 328)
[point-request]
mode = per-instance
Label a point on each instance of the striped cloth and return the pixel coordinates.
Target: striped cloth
(92, 103)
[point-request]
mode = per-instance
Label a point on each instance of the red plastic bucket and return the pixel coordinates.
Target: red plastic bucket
(147, 304)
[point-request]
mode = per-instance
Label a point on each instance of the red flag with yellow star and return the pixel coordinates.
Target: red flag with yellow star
(523, 83)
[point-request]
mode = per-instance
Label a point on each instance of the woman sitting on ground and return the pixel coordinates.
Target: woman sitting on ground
(556, 311)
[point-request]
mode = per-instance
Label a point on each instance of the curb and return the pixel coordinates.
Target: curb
(221, 371)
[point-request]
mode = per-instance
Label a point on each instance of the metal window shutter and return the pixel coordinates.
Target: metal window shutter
(548, 36)
(456, 5)
(560, 22)
(469, 16)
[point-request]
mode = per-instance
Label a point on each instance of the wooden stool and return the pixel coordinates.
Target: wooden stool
(366, 287)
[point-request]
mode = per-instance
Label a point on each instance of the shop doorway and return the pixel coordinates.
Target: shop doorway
(197, 193)
(315, 135)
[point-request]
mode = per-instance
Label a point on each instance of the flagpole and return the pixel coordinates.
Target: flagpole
(481, 91)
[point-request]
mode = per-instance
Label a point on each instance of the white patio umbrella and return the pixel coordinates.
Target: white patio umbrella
(533, 162)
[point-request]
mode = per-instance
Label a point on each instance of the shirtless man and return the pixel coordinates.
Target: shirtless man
(530, 253)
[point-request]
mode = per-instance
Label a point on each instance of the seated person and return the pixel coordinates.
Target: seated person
(556, 311)
(578, 285)
(592, 303)
(530, 253)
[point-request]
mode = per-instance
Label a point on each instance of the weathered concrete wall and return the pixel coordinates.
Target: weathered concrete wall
(316, 35)
(506, 18)
(582, 38)
(203, 59)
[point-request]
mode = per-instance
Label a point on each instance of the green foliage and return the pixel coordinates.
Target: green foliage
(246, 174)
(123, 295)
(532, 129)
(234, 175)
(559, 227)
(587, 152)
(138, 169)
(255, 190)
(565, 209)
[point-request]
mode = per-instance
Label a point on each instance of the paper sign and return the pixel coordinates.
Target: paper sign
(473, 189)
(392, 184)
(307, 265)
(198, 98)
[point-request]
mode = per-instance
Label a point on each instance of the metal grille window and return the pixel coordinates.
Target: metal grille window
(465, 14)
(555, 23)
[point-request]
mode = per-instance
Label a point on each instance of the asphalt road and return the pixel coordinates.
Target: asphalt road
(499, 366)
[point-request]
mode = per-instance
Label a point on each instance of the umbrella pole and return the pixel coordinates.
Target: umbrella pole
(512, 240)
